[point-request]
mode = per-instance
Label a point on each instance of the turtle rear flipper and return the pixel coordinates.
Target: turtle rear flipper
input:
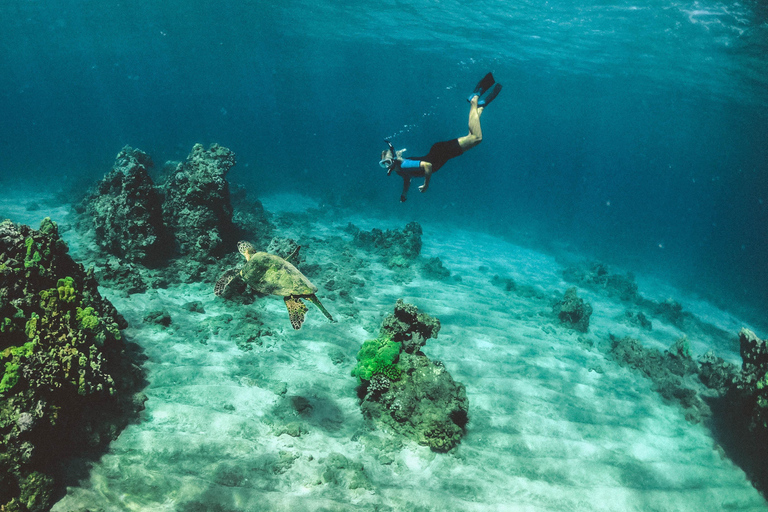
(224, 281)
(314, 300)
(296, 311)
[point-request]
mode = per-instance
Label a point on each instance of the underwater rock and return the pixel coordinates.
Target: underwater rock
(638, 319)
(126, 212)
(390, 244)
(197, 206)
(753, 381)
(716, 373)
(284, 247)
(250, 217)
(671, 372)
(433, 269)
(341, 472)
(597, 275)
(68, 381)
(404, 389)
(671, 311)
(572, 311)
(409, 327)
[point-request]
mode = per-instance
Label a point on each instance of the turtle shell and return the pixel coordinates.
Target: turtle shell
(270, 274)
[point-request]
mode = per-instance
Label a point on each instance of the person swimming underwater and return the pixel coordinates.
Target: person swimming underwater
(440, 152)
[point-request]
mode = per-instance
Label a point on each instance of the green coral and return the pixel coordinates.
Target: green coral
(390, 371)
(87, 318)
(10, 377)
(11, 374)
(66, 288)
(49, 227)
(33, 256)
(32, 325)
(377, 356)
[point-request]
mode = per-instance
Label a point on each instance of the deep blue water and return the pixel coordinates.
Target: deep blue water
(636, 131)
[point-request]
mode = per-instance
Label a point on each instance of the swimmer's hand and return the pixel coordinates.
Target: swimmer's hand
(402, 198)
(423, 188)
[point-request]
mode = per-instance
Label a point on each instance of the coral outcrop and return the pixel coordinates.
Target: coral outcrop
(674, 373)
(397, 248)
(126, 212)
(402, 388)
(753, 381)
(572, 311)
(197, 206)
(597, 275)
(68, 381)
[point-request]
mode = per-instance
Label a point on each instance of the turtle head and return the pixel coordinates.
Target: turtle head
(246, 249)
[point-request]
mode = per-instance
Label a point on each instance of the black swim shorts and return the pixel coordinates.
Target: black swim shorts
(441, 152)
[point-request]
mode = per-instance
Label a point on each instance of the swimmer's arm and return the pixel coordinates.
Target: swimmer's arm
(406, 184)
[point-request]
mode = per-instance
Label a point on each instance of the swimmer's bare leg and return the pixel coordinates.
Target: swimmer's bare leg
(475, 135)
(427, 168)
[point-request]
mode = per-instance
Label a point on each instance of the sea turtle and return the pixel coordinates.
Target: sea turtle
(270, 274)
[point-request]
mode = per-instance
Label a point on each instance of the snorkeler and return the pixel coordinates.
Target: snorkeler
(441, 152)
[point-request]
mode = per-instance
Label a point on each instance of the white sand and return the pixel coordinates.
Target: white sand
(554, 426)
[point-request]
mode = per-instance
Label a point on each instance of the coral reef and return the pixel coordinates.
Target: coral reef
(572, 311)
(197, 206)
(152, 236)
(596, 275)
(68, 380)
(433, 268)
(126, 212)
(392, 245)
(753, 381)
(674, 373)
(402, 388)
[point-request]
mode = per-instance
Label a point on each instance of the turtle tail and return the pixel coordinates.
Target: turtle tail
(296, 311)
(314, 300)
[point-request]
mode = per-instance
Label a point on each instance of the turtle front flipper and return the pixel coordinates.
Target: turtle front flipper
(314, 300)
(224, 281)
(296, 311)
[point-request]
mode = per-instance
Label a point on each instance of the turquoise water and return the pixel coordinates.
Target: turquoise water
(634, 130)
(634, 133)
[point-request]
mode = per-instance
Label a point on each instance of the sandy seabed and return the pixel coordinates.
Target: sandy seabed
(554, 425)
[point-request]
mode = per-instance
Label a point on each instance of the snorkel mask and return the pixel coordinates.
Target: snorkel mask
(389, 163)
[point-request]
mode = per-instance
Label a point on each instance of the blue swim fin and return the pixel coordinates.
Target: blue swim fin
(488, 98)
(482, 86)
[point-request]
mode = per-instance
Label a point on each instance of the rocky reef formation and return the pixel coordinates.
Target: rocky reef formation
(68, 380)
(151, 236)
(674, 373)
(731, 401)
(397, 248)
(572, 311)
(753, 380)
(197, 206)
(126, 211)
(598, 277)
(400, 251)
(402, 388)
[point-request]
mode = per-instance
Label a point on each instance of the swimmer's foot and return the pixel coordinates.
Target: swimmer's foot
(403, 198)
(482, 86)
(484, 101)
